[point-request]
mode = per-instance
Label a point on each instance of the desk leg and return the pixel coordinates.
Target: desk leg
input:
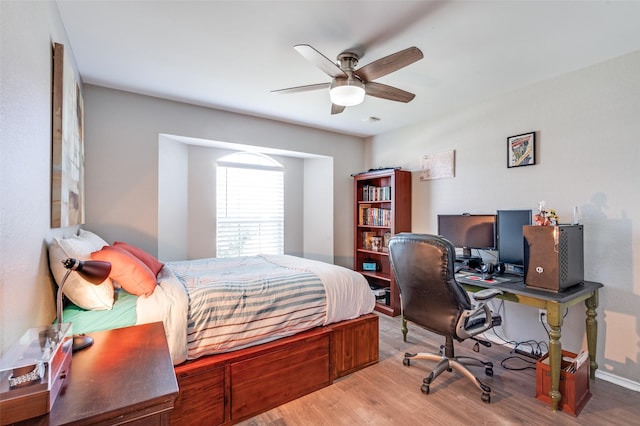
(554, 319)
(592, 332)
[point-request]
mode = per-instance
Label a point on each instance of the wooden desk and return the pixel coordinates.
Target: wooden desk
(125, 377)
(554, 304)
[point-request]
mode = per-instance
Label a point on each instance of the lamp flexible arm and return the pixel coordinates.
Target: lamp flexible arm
(94, 271)
(59, 299)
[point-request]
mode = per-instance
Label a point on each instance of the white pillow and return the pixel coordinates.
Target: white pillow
(77, 289)
(93, 239)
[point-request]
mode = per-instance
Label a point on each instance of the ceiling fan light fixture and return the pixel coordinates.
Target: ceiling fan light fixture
(347, 92)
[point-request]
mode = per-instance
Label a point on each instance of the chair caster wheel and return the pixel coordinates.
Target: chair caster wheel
(406, 361)
(488, 372)
(486, 397)
(425, 389)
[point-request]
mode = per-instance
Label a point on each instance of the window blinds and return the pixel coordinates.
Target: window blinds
(250, 210)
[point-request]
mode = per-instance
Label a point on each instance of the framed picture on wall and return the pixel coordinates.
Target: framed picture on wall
(437, 166)
(67, 153)
(521, 150)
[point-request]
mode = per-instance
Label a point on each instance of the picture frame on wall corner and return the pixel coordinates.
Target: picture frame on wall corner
(67, 151)
(521, 150)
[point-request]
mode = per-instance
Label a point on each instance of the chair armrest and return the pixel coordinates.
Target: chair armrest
(486, 294)
(465, 330)
(461, 327)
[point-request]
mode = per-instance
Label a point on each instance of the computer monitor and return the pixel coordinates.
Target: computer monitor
(468, 231)
(510, 241)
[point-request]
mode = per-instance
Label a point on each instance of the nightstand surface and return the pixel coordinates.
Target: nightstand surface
(126, 376)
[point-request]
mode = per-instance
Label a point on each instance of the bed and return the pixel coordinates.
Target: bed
(240, 330)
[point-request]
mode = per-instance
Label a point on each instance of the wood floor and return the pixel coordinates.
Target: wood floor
(388, 393)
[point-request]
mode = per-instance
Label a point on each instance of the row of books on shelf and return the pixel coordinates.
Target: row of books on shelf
(376, 193)
(374, 216)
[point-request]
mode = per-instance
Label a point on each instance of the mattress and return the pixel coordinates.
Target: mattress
(217, 305)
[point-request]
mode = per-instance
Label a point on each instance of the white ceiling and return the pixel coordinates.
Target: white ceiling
(231, 54)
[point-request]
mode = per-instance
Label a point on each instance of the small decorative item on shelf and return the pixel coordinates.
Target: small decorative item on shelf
(545, 217)
(376, 243)
(369, 265)
(367, 240)
(385, 241)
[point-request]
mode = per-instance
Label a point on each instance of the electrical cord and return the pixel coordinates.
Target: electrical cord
(479, 252)
(529, 364)
(544, 324)
(533, 347)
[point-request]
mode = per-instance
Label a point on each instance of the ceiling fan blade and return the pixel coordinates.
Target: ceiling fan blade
(320, 61)
(336, 109)
(391, 93)
(307, 88)
(389, 64)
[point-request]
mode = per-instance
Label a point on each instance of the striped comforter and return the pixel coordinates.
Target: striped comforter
(233, 303)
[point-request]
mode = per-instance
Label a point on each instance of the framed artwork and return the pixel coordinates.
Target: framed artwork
(67, 150)
(437, 166)
(521, 150)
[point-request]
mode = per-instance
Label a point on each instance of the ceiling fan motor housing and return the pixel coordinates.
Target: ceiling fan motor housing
(348, 61)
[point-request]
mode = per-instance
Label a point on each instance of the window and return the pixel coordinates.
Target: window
(250, 205)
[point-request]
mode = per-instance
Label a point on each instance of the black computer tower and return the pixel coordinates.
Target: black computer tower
(553, 256)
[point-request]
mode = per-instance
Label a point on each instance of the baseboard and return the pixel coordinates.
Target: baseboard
(617, 380)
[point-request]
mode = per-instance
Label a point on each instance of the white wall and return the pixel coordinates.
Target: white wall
(318, 207)
(27, 33)
(202, 202)
(173, 196)
(587, 125)
(122, 164)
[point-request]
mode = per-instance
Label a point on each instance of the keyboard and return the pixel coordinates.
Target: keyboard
(471, 278)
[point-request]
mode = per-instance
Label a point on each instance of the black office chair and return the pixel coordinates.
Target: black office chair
(432, 298)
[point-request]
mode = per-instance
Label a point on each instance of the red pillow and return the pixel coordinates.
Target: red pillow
(154, 264)
(133, 275)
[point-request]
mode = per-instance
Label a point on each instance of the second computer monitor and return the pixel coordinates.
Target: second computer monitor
(510, 241)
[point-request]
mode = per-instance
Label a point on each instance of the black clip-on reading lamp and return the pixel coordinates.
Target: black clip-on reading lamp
(94, 271)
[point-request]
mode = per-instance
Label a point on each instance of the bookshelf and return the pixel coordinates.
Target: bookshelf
(382, 209)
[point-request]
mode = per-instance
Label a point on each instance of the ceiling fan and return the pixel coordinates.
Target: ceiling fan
(349, 85)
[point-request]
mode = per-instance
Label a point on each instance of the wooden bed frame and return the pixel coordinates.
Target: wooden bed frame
(227, 388)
